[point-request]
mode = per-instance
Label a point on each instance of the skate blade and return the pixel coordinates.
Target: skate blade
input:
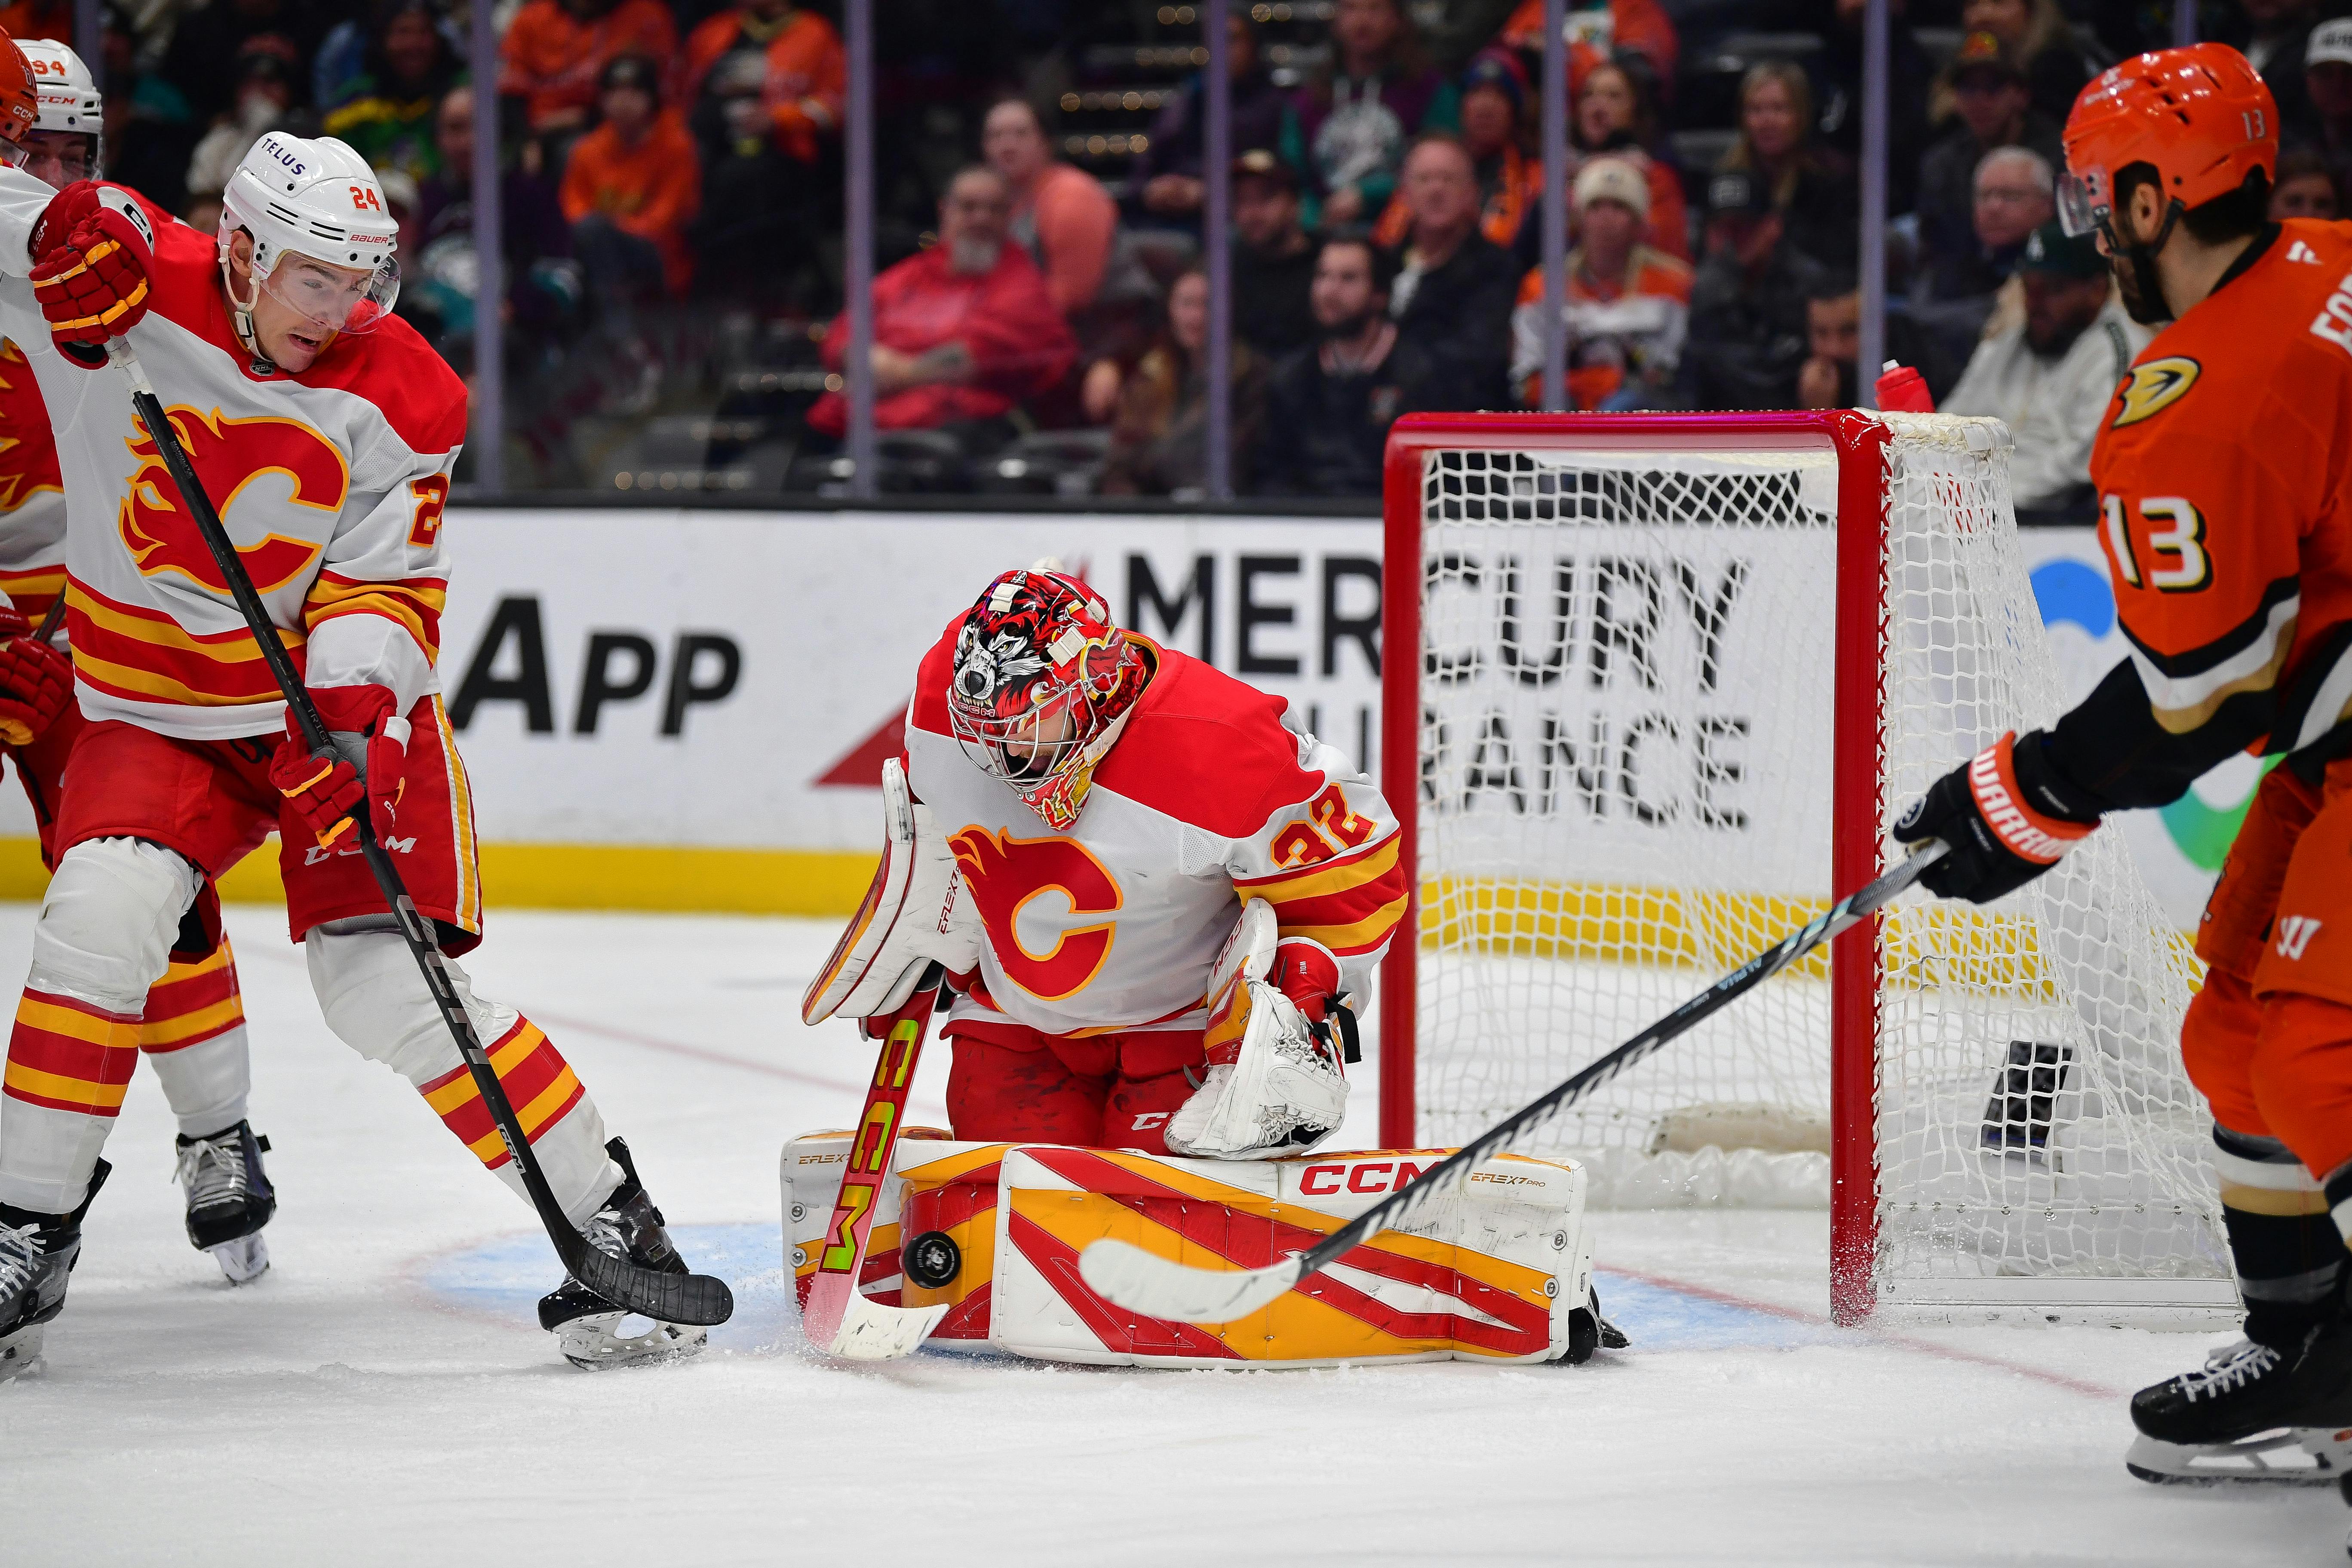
(2284, 1456)
(20, 1352)
(244, 1260)
(589, 1343)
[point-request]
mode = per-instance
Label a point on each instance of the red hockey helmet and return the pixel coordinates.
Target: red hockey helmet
(20, 100)
(1042, 683)
(2200, 116)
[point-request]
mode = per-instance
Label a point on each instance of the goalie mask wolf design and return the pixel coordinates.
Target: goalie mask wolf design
(1042, 683)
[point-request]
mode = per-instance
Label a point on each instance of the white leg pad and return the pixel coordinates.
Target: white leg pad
(109, 920)
(376, 1003)
(206, 1084)
(104, 936)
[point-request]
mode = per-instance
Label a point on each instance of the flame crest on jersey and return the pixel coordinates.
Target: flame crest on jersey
(1007, 874)
(229, 455)
(2152, 387)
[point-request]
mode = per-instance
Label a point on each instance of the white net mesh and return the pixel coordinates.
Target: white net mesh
(1626, 741)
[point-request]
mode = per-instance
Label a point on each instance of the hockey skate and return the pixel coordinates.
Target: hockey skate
(37, 1253)
(584, 1325)
(229, 1198)
(2252, 1413)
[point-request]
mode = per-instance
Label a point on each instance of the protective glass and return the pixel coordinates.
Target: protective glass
(2084, 201)
(335, 299)
(12, 154)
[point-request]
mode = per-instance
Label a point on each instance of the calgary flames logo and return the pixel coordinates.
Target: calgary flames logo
(1006, 874)
(229, 455)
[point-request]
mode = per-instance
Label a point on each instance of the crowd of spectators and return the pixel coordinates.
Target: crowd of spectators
(671, 175)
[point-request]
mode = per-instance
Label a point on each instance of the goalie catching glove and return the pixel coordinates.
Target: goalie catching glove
(2005, 815)
(914, 915)
(1277, 1082)
(36, 681)
(371, 748)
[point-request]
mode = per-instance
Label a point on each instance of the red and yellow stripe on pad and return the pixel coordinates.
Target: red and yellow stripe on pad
(539, 1084)
(70, 1055)
(192, 1003)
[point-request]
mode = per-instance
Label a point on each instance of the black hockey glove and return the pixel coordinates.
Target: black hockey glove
(2006, 817)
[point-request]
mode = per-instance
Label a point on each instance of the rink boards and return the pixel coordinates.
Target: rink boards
(686, 710)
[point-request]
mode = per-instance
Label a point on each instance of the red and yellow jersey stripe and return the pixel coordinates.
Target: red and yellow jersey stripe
(539, 1083)
(147, 656)
(68, 1055)
(413, 604)
(1350, 903)
(192, 1003)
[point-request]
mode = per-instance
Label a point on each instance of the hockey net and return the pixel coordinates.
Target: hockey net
(1676, 676)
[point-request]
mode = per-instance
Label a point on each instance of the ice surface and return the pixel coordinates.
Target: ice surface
(383, 1396)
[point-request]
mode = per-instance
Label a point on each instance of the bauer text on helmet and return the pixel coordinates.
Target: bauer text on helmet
(317, 200)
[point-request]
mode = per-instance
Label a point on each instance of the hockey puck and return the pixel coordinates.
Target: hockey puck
(932, 1259)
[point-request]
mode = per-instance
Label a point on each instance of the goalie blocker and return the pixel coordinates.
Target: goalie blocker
(993, 1232)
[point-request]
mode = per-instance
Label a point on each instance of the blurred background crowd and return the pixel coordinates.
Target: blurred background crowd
(673, 214)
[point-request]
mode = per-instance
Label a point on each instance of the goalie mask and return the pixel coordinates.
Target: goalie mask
(1042, 683)
(322, 239)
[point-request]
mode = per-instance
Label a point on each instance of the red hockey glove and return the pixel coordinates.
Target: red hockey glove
(1306, 972)
(325, 794)
(36, 681)
(2005, 818)
(93, 260)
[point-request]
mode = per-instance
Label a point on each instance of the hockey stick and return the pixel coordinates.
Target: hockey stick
(697, 1299)
(1145, 1282)
(838, 1318)
(46, 631)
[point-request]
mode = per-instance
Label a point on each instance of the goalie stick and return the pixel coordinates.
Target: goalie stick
(1145, 1282)
(697, 1299)
(838, 1317)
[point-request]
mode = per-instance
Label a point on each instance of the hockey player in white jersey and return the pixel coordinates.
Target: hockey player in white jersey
(192, 1031)
(1099, 819)
(325, 430)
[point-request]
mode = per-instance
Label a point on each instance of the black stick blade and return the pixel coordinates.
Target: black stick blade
(701, 1300)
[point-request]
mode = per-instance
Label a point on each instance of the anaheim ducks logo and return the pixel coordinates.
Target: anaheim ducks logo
(2154, 387)
(1007, 874)
(229, 456)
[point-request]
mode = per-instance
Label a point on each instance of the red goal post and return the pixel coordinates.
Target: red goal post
(1921, 651)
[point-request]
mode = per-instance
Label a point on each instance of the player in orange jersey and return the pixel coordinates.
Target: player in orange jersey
(2224, 470)
(193, 1031)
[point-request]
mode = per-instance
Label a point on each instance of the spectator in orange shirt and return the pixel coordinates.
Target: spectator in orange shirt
(556, 50)
(628, 192)
(802, 72)
(1511, 182)
(1626, 308)
(1061, 213)
(963, 332)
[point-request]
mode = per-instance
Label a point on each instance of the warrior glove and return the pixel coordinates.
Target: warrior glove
(93, 256)
(371, 748)
(36, 681)
(2005, 816)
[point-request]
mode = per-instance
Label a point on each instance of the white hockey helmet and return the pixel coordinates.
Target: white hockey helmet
(70, 101)
(316, 199)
